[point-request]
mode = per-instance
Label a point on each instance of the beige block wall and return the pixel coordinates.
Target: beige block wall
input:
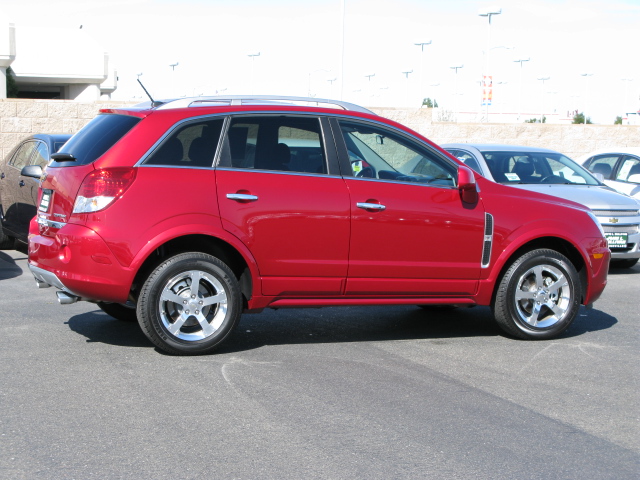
(20, 118)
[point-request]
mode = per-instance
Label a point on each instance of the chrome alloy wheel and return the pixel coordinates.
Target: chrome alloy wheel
(542, 296)
(193, 305)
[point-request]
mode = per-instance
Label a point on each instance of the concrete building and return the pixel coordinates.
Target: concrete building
(55, 63)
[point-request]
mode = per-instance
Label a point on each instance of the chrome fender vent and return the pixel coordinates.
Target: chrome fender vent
(488, 240)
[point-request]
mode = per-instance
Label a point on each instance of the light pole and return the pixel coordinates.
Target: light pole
(173, 76)
(489, 12)
(520, 61)
(543, 79)
(406, 74)
(586, 94)
(455, 90)
(624, 102)
(422, 45)
(309, 82)
(331, 80)
(253, 58)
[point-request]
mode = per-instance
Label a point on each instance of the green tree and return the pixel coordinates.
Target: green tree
(427, 103)
(12, 88)
(618, 121)
(536, 120)
(579, 118)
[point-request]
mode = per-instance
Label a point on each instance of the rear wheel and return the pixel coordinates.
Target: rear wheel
(539, 296)
(125, 312)
(189, 304)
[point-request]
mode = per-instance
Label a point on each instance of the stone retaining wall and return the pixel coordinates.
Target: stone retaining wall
(20, 118)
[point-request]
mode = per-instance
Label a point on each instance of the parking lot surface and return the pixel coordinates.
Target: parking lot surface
(335, 393)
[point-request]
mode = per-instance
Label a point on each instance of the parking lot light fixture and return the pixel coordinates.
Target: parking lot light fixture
(520, 61)
(488, 12)
(253, 58)
(542, 79)
(586, 94)
(422, 45)
(406, 75)
(455, 88)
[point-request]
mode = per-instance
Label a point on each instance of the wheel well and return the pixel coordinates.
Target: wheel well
(196, 243)
(552, 243)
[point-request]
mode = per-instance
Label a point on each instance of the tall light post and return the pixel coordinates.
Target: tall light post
(520, 61)
(173, 76)
(253, 58)
(488, 12)
(543, 79)
(309, 82)
(422, 45)
(624, 101)
(406, 75)
(331, 80)
(455, 90)
(586, 94)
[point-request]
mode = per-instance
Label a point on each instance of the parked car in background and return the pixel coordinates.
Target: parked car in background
(20, 173)
(619, 167)
(547, 171)
(184, 214)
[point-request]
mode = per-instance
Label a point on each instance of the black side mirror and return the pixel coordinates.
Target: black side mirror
(33, 171)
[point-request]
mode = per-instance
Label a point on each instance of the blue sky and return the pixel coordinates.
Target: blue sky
(300, 49)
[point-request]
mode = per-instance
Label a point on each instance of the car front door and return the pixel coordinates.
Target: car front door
(280, 193)
(411, 232)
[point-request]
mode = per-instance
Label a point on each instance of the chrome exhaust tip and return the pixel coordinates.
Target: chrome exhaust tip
(65, 298)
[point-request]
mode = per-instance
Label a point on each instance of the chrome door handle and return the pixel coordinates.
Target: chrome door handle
(370, 206)
(242, 197)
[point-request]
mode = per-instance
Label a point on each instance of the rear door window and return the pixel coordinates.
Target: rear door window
(95, 138)
(290, 144)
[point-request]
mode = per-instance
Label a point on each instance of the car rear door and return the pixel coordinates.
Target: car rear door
(279, 192)
(12, 186)
(411, 232)
(29, 188)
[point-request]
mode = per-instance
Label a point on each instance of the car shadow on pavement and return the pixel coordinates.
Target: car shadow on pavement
(8, 267)
(335, 325)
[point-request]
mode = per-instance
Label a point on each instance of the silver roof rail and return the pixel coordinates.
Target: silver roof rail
(258, 100)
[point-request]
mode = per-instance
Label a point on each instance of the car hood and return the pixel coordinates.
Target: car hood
(594, 197)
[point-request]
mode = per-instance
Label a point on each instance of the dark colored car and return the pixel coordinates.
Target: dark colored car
(20, 174)
(185, 214)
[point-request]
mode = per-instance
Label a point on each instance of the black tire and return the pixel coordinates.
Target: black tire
(185, 321)
(538, 297)
(6, 242)
(125, 312)
(623, 263)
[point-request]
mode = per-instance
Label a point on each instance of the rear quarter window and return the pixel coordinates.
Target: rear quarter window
(95, 138)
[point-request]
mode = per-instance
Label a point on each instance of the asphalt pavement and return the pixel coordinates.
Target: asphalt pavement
(336, 393)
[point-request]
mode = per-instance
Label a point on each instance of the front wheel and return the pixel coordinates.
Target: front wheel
(539, 296)
(189, 304)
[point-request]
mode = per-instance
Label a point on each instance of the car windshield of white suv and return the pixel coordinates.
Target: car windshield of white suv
(536, 168)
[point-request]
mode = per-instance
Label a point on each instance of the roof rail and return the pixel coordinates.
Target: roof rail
(257, 100)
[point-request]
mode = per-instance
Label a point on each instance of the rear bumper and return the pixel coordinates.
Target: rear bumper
(77, 261)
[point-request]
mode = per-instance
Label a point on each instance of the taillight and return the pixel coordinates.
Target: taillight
(101, 187)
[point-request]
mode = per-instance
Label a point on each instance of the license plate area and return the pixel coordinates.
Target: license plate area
(617, 240)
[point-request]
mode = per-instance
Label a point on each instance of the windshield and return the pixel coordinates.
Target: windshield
(536, 168)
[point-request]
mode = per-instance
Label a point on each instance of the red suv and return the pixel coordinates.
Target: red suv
(184, 214)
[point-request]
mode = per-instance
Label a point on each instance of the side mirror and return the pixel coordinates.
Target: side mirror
(467, 185)
(33, 171)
